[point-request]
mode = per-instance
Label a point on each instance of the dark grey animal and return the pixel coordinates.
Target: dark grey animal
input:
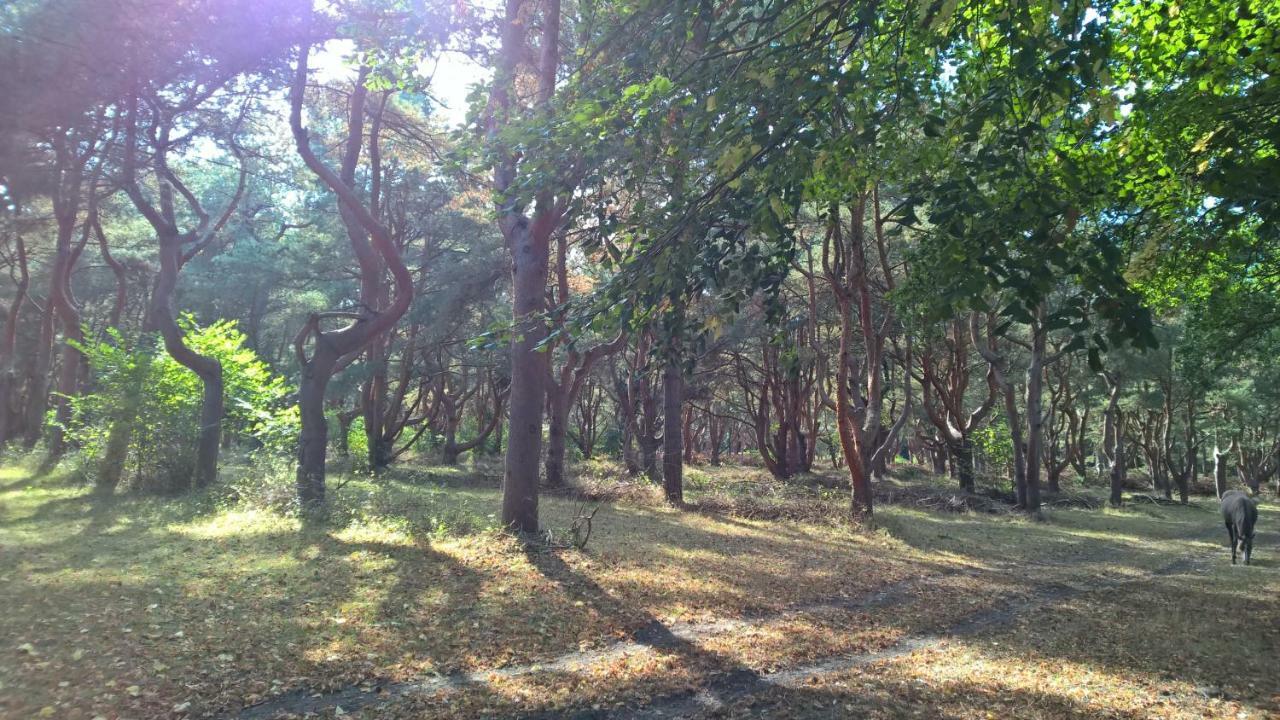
(1240, 512)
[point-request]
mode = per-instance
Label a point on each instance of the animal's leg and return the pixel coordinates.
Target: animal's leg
(1231, 533)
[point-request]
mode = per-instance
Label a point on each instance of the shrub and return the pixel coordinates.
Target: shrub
(994, 444)
(136, 382)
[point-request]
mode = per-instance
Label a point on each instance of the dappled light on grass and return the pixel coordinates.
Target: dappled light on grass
(223, 605)
(237, 524)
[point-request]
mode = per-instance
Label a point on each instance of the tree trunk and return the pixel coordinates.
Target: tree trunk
(449, 453)
(1053, 478)
(529, 254)
(860, 501)
(208, 369)
(649, 456)
(119, 437)
(1220, 468)
(629, 460)
(313, 435)
(672, 435)
(962, 452)
(374, 396)
(1019, 449)
(38, 380)
(375, 253)
(64, 306)
(123, 419)
(1035, 411)
(688, 436)
(1113, 440)
(528, 241)
(715, 432)
(454, 449)
(557, 435)
(1117, 471)
(8, 342)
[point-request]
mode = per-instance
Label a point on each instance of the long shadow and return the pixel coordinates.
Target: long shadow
(1223, 641)
(410, 580)
(653, 633)
(111, 531)
(876, 696)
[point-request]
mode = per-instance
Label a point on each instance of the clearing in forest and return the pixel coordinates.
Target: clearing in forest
(406, 603)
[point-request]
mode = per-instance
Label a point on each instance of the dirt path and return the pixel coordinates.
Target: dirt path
(736, 686)
(741, 683)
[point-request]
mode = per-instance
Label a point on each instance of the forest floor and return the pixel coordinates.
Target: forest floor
(406, 602)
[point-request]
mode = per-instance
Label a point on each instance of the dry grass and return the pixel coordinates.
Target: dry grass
(145, 608)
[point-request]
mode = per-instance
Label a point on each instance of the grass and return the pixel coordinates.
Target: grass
(197, 607)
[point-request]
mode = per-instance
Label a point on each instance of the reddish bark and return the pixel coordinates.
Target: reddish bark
(374, 250)
(528, 241)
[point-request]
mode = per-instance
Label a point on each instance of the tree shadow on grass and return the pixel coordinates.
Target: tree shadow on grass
(152, 591)
(1178, 628)
(874, 697)
(653, 633)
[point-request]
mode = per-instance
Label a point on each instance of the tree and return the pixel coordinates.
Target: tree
(528, 236)
(332, 349)
(944, 382)
(176, 247)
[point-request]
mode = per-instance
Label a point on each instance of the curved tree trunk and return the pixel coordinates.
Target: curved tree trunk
(208, 369)
(375, 251)
(68, 313)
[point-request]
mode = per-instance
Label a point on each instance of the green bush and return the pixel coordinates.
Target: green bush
(136, 382)
(994, 444)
